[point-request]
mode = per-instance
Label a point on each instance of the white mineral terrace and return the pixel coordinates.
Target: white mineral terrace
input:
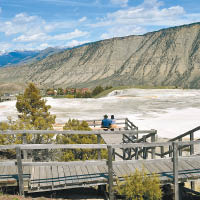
(171, 112)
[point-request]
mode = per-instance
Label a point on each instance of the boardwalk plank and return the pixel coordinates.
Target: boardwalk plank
(79, 173)
(55, 176)
(163, 166)
(194, 168)
(5, 174)
(61, 175)
(119, 170)
(182, 167)
(49, 176)
(91, 171)
(68, 178)
(125, 169)
(73, 175)
(86, 178)
(35, 177)
(12, 173)
(103, 172)
(101, 178)
(131, 167)
(43, 177)
(155, 167)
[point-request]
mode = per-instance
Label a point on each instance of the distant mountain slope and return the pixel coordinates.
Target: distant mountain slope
(19, 57)
(16, 57)
(166, 57)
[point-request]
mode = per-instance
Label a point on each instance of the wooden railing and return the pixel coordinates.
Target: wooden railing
(130, 125)
(131, 153)
(137, 145)
(123, 123)
(180, 138)
(129, 134)
(175, 145)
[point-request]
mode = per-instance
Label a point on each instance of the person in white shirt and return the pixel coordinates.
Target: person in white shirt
(113, 123)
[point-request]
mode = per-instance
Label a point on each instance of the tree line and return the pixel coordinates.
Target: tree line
(76, 92)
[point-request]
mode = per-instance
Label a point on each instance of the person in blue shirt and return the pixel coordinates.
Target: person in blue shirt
(105, 123)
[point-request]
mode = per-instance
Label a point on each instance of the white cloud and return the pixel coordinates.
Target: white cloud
(4, 46)
(34, 28)
(137, 20)
(32, 32)
(123, 31)
(68, 36)
(43, 46)
(23, 23)
(74, 43)
(122, 3)
(30, 38)
(44, 37)
(83, 19)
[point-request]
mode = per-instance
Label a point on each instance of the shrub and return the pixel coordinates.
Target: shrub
(140, 186)
(78, 154)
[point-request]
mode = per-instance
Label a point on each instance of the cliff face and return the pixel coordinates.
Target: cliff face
(166, 57)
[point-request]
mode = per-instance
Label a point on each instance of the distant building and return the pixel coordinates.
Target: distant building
(7, 97)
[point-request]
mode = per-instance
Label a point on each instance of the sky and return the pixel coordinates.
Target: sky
(38, 24)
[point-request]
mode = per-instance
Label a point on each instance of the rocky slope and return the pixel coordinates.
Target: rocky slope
(169, 57)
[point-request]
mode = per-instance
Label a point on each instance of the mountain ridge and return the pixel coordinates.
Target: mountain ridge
(168, 57)
(19, 57)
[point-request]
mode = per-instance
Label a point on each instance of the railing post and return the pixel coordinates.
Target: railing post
(175, 170)
(137, 135)
(180, 150)
(191, 153)
(192, 145)
(162, 151)
(20, 171)
(145, 154)
(126, 124)
(24, 142)
(153, 139)
(99, 150)
(170, 149)
(113, 154)
(110, 173)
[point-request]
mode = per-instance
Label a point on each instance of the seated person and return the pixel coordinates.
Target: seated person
(105, 123)
(113, 123)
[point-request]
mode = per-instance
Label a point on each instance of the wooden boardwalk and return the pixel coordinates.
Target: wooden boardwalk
(88, 173)
(48, 176)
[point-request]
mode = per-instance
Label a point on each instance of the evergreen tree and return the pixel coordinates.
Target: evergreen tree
(60, 91)
(34, 114)
(97, 90)
(33, 109)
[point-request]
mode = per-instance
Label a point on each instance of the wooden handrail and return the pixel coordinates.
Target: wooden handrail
(179, 138)
(91, 120)
(71, 132)
(141, 139)
(54, 146)
(109, 162)
(186, 133)
(133, 125)
(93, 146)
